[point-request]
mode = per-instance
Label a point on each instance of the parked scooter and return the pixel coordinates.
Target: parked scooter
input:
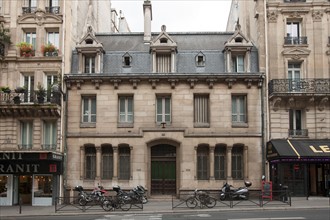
(139, 192)
(228, 192)
(97, 195)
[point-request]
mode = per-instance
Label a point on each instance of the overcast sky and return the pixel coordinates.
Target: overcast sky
(177, 15)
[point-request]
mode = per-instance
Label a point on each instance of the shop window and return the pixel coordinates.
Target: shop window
(43, 186)
(124, 162)
(107, 162)
(202, 162)
(3, 186)
(90, 162)
(126, 110)
(89, 109)
(163, 109)
(201, 110)
(237, 163)
(220, 162)
(239, 109)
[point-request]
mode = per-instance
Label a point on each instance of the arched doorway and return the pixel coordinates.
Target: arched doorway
(163, 169)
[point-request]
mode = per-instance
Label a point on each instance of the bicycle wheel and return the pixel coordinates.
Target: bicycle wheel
(107, 205)
(82, 201)
(191, 202)
(210, 202)
(125, 206)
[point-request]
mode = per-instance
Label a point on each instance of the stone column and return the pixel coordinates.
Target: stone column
(229, 150)
(98, 163)
(82, 162)
(211, 155)
(115, 163)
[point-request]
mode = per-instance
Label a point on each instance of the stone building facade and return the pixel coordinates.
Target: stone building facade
(42, 33)
(169, 111)
(292, 37)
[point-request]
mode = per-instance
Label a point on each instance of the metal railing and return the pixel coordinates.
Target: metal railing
(295, 40)
(317, 86)
(14, 98)
(53, 9)
(298, 133)
(294, 1)
(28, 10)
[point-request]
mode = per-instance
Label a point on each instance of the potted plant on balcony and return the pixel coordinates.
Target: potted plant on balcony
(40, 93)
(49, 50)
(26, 49)
(5, 89)
(20, 89)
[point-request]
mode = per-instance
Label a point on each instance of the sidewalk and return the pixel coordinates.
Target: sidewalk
(163, 206)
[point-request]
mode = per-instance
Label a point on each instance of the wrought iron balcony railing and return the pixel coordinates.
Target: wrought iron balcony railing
(293, 1)
(295, 40)
(28, 10)
(14, 98)
(298, 133)
(49, 146)
(53, 10)
(316, 86)
(25, 146)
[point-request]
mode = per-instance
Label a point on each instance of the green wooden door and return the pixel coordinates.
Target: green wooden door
(163, 170)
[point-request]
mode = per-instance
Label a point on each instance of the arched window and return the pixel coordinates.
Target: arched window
(220, 162)
(90, 162)
(202, 162)
(107, 162)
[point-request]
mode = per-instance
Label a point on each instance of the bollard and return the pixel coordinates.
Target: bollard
(20, 205)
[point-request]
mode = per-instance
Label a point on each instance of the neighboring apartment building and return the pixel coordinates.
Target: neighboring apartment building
(293, 40)
(31, 138)
(169, 111)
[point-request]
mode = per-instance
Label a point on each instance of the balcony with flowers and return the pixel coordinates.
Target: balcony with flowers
(26, 49)
(49, 50)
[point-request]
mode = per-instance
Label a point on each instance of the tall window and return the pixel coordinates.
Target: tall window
(295, 122)
(294, 76)
(292, 29)
(202, 163)
(238, 63)
(220, 162)
(163, 63)
(50, 135)
(29, 85)
(237, 163)
(239, 114)
(107, 162)
(51, 80)
(126, 109)
(89, 64)
(201, 110)
(124, 163)
(53, 38)
(26, 135)
(90, 162)
(163, 109)
(89, 109)
(31, 3)
(31, 38)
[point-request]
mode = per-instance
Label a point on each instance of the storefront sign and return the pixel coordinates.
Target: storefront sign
(320, 149)
(19, 168)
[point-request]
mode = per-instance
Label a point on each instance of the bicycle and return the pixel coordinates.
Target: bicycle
(118, 202)
(202, 198)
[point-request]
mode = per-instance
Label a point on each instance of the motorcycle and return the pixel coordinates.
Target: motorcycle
(97, 195)
(228, 192)
(139, 192)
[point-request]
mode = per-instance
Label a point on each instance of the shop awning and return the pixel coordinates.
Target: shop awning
(301, 149)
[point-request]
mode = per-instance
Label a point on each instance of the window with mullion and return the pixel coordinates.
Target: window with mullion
(237, 163)
(90, 162)
(107, 162)
(29, 86)
(202, 163)
(26, 135)
(53, 38)
(31, 38)
(126, 109)
(50, 135)
(89, 64)
(238, 63)
(239, 114)
(124, 163)
(89, 109)
(163, 108)
(201, 110)
(51, 80)
(220, 162)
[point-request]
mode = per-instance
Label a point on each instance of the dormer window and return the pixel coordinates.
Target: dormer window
(127, 60)
(89, 63)
(200, 60)
(89, 41)
(238, 63)
(238, 40)
(163, 41)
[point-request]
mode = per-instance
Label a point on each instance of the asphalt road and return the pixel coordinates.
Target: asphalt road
(308, 214)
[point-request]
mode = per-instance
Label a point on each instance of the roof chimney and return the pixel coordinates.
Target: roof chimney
(147, 21)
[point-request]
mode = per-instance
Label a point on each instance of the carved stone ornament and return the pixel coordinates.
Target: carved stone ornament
(276, 103)
(116, 83)
(323, 103)
(317, 15)
(310, 103)
(211, 82)
(192, 82)
(153, 83)
(97, 83)
(173, 82)
(134, 83)
(272, 16)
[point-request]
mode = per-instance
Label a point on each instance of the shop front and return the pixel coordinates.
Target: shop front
(30, 178)
(302, 165)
